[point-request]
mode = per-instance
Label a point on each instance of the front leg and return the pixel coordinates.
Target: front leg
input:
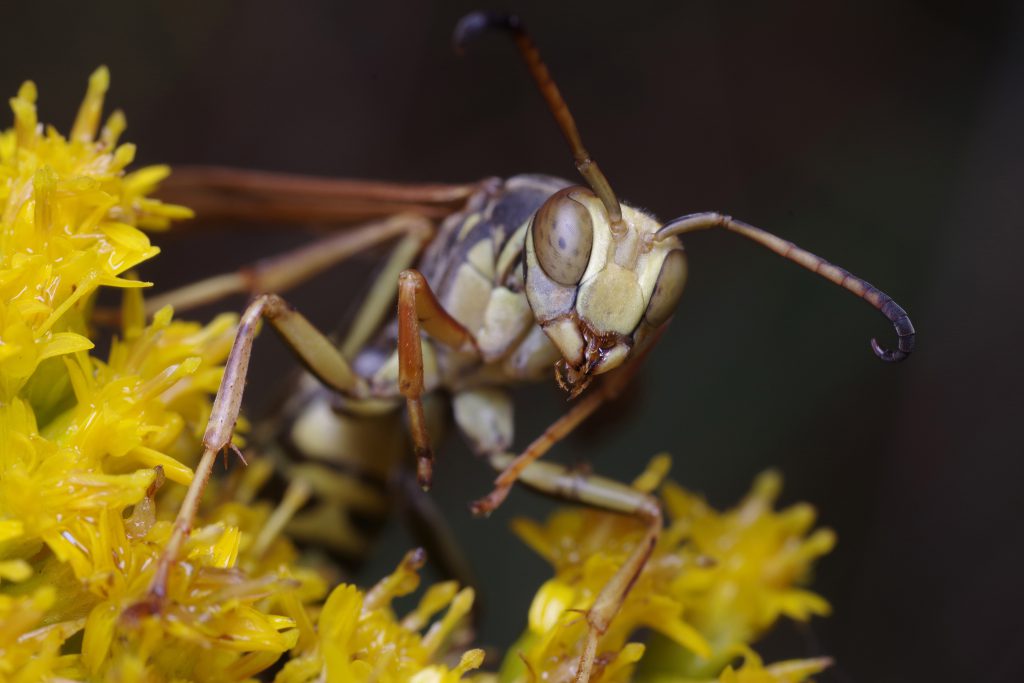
(559, 429)
(418, 305)
(315, 351)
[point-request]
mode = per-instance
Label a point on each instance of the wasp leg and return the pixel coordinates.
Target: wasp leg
(379, 302)
(218, 193)
(485, 417)
(605, 391)
(605, 494)
(281, 273)
(315, 351)
(417, 305)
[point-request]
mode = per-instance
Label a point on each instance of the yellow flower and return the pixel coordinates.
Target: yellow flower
(67, 226)
(359, 638)
(30, 652)
(85, 443)
(714, 581)
(216, 623)
(759, 557)
(753, 670)
(97, 458)
(78, 437)
(95, 453)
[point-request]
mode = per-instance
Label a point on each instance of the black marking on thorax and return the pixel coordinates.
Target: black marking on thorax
(494, 213)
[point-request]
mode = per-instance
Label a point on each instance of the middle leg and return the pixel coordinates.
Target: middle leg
(282, 272)
(417, 305)
(513, 469)
(606, 494)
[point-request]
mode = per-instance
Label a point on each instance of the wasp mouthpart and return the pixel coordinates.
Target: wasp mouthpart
(571, 379)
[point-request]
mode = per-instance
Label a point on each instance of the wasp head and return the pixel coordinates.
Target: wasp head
(597, 286)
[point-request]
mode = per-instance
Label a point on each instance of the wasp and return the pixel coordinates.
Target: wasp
(521, 275)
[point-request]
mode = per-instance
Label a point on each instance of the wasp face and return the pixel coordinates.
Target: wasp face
(598, 289)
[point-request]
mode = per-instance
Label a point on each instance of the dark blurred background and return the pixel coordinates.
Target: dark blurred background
(884, 135)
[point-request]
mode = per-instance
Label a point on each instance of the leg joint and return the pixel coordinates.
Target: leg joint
(275, 307)
(650, 510)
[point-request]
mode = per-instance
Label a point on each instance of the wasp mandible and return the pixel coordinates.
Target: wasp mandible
(521, 275)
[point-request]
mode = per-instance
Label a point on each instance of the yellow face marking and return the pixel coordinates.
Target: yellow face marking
(592, 324)
(611, 301)
(613, 298)
(566, 336)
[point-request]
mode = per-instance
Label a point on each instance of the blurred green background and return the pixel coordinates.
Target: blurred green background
(883, 135)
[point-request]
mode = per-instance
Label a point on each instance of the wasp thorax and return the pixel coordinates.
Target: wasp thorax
(563, 236)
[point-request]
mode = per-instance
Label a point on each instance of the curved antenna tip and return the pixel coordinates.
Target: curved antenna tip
(904, 331)
(475, 23)
(888, 355)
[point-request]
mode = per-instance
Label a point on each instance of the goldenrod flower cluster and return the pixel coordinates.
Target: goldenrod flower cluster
(714, 583)
(360, 639)
(95, 453)
(86, 443)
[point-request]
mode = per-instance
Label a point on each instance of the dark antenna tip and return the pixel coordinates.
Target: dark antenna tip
(881, 301)
(475, 23)
(904, 331)
(888, 355)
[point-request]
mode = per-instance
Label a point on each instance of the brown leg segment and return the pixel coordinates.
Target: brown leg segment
(318, 354)
(475, 22)
(379, 301)
(605, 391)
(606, 494)
(417, 305)
(281, 273)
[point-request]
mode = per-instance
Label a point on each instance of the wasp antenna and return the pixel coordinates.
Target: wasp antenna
(475, 23)
(893, 312)
(904, 330)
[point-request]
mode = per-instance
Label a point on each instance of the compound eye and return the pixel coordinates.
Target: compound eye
(667, 289)
(563, 235)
